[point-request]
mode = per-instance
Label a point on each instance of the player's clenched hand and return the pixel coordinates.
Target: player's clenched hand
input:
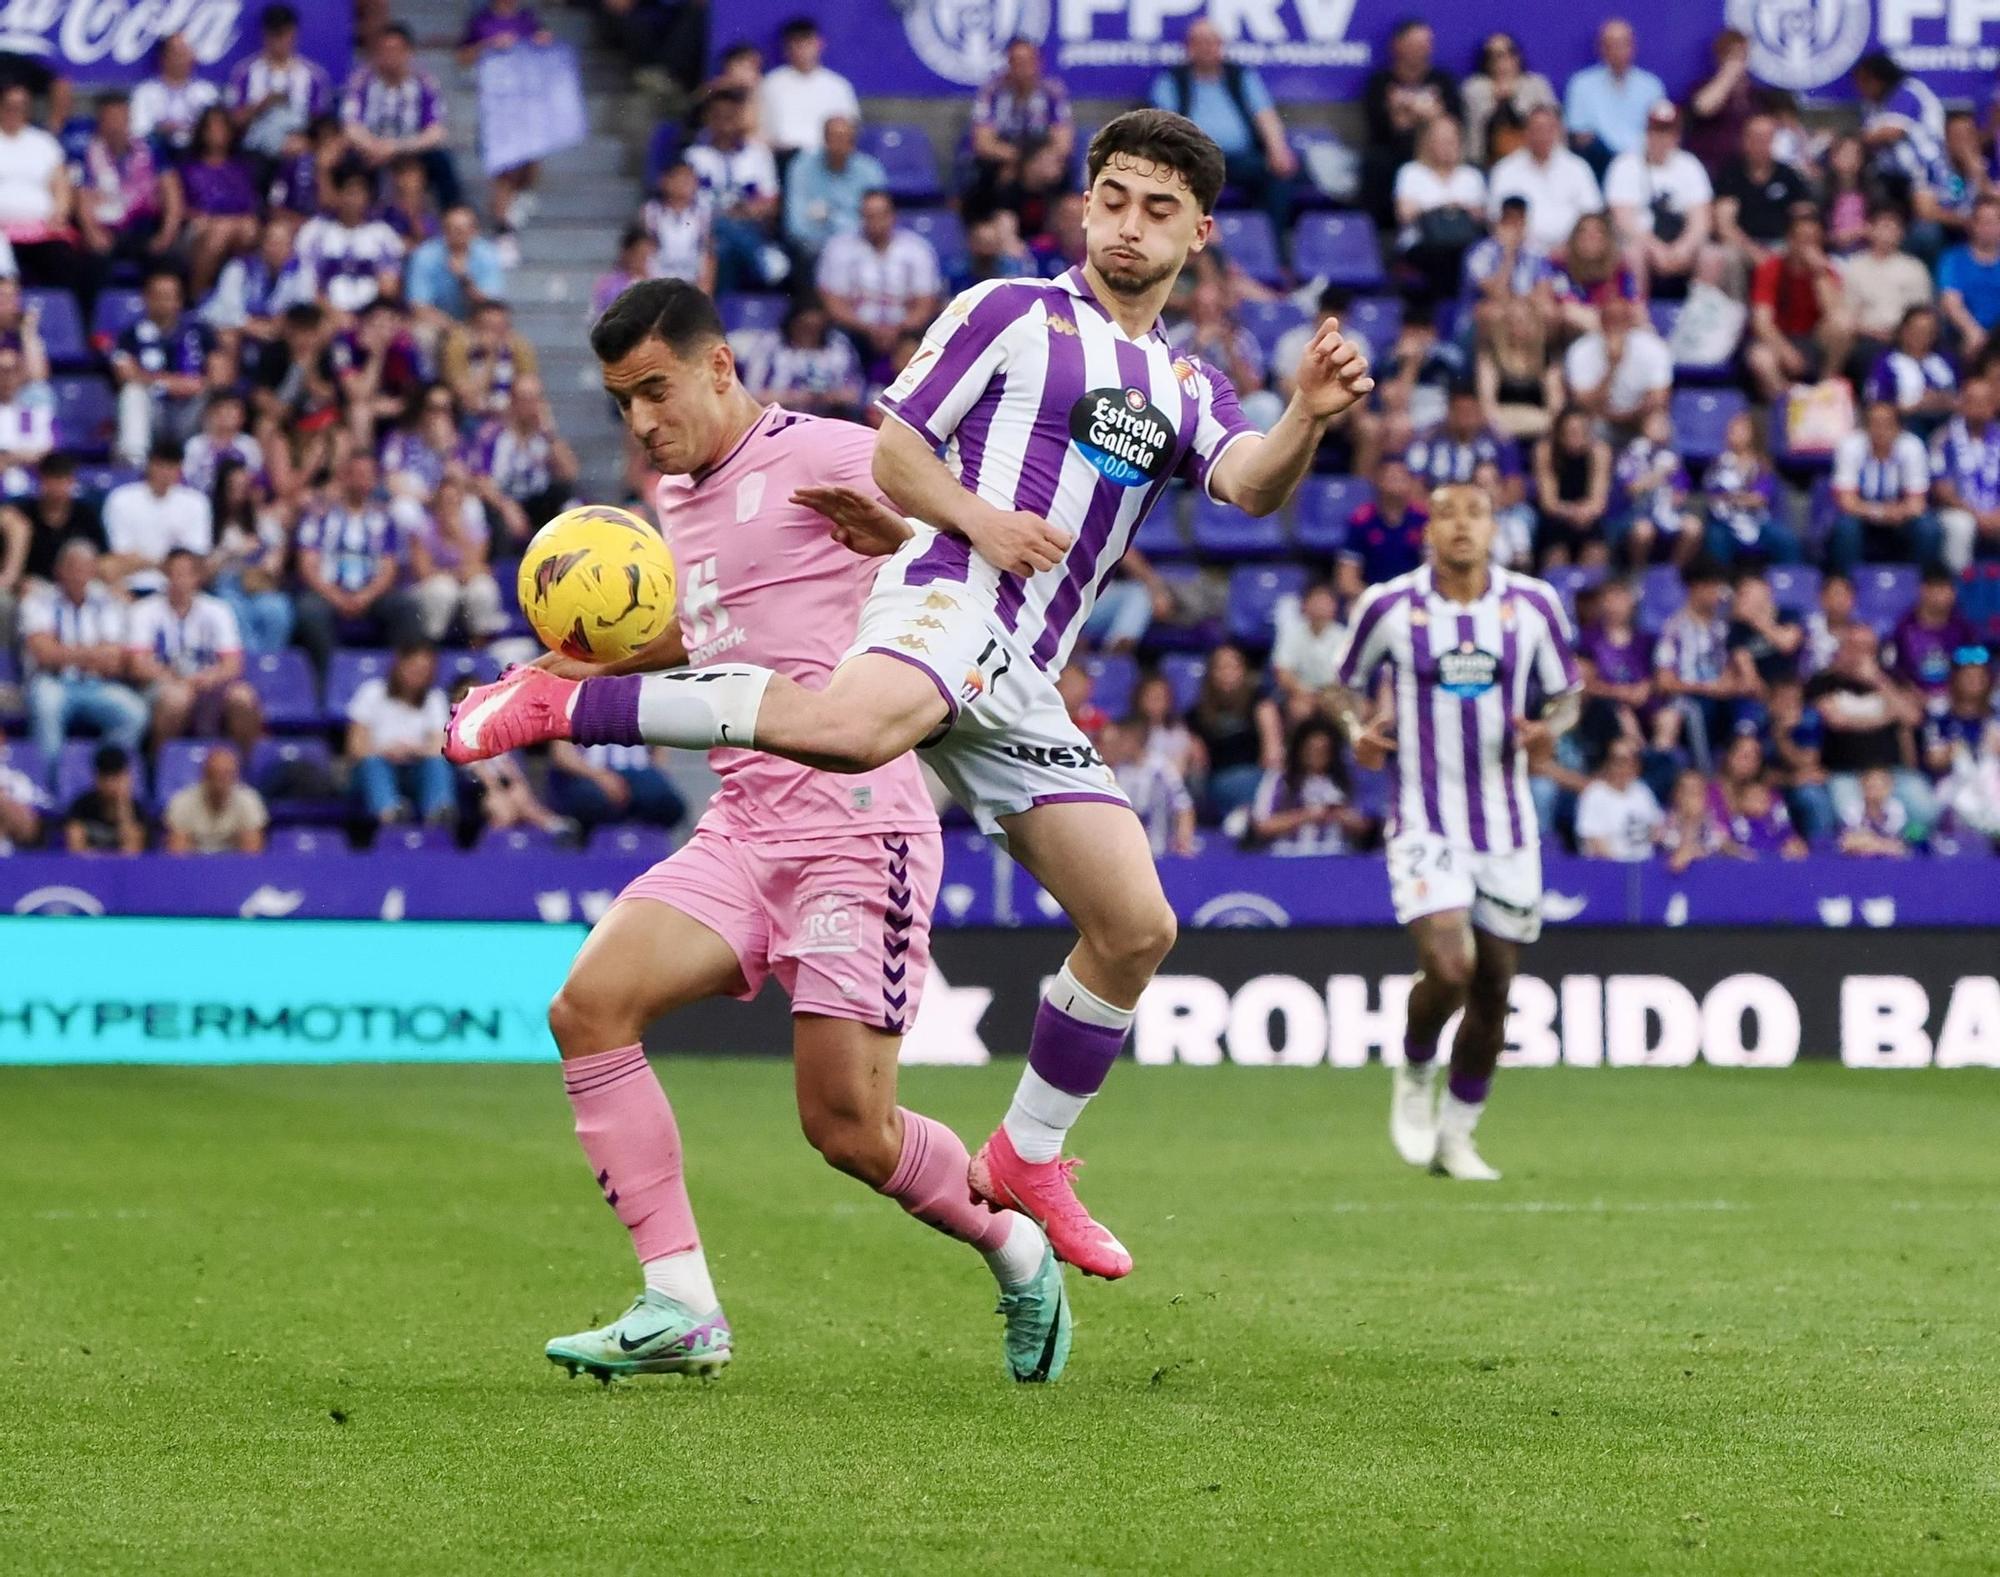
(861, 523)
(1374, 744)
(1019, 542)
(1536, 738)
(1332, 374)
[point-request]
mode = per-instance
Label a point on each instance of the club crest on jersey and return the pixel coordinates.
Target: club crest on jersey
(1123, 434)
(1183, 371)
(1467, 672)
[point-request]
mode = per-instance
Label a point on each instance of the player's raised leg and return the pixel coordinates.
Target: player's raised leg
(642, 960)
(845, 1073)
(1475, 1053)
(1445, 961)
(1094, 860)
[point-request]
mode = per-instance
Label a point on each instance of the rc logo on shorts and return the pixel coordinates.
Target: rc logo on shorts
(1467, 672)
(831, 924)
(1124, 434)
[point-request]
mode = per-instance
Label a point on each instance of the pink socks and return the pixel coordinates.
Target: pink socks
(930, 1184)
(627, 1130)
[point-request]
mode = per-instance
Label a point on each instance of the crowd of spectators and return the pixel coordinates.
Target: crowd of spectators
(1681, 342)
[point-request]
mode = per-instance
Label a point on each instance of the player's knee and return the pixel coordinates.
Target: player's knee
(585, 1021)
(861, 1144)
(1450, 967)
(1150, 936)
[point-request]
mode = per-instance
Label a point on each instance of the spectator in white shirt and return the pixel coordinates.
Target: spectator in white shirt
(1617, 816)
(679, 221)
(166, 107)
(38, 204)
(22, 801)
(1663, 204)
(27, 428)
(1311, 641)
(739, 177)
(395, 742)
(1558, 185)
(219, 814)
(799, 96)
(881, 283)
(351, 257)
(1440, 207)
(146, 520)
(184, 646)
(1623, 372)
(73, 637)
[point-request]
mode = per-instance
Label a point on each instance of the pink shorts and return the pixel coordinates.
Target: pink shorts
(843, 922)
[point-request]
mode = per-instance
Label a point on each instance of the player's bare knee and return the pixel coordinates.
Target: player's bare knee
(1451, 966)
(584, 1021)
(861, 1144)
(1133, 945)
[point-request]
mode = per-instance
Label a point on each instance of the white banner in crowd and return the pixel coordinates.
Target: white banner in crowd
(530, 105)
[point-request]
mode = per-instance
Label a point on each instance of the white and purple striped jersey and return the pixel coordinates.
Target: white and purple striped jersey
(391, 109)
(184, 643)
(346, 262)
(1462, 675)
(302, 82)
(1041, 403)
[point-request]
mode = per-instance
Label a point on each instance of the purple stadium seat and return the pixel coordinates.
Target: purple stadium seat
(1113, 678)
(86, 415)
(1224, 531)
(518, 840)
(941, 228)
(284, 683)
(62, 327)
(743, 309)
(661, 150)
(273, 756)
(1883, 593)
(1664, 315)
(117, 311)
(1246, 235)
(1159, 536)
(94, 481)
(1569, 579)
(455, 663)
(1341, 248)
(416, 840)
(1254, 594)
(1978, 600)
(1183, 671)
(908, 158)
(351, 669)
(1660, 596)
(1374, 789)
(1270, 321)
(75, 772)
(1378, 320)
(26, 759)
(316, 843)
(1794, 587)
(178, 765)
(1324, 505)
(641, 845)
(1197, 637)
(1701, 417)
(10, 668)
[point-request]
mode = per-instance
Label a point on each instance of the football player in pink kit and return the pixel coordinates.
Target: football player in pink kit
(824, 881)
(1064, 415)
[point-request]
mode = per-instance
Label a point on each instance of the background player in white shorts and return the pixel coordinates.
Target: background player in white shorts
(825, 882)
(1468, 646)
(1064, 414)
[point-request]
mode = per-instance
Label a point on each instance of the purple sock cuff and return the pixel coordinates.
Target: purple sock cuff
(1073, 1056)
(1417, 1053)
(607, 712)
(1469, 1090)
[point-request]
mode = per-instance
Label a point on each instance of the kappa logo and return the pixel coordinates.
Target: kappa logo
(912, 643)
(1064, 326)
(928, 623)
(938, 599)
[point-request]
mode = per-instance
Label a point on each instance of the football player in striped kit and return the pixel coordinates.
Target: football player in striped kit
(1063, 415)
(1469, 648)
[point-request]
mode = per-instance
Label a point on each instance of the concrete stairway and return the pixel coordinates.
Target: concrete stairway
(587, 195)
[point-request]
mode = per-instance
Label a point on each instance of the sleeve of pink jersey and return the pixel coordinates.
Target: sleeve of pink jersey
(961, 354)
(1219, 422)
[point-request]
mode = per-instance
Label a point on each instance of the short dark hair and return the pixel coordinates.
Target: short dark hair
(56, 463)
(162, 271)
(398, 30)
(112, 96)
(110, 760)
(179, 553)
(164, 452)
(672, 311)
(1163, 138)
(1937, 574)
(1886, 211)
(1878, 66)
(277, 19)
(350, 174)
(1701, 570)
(797, 27)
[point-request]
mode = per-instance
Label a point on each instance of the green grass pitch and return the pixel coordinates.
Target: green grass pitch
(281, 1320)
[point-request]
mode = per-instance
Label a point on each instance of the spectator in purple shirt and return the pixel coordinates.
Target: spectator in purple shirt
(1692, 831)
(221, 197)
(350, 567)
(1617, 663)
(165, 365)
(1384, 538)
(391, 109)
(277, 92)
(1923, 647)
(127, 207)
(1022, 138)
(501, 24)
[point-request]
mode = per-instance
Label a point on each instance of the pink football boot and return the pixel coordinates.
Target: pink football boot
(520, 708)
(1043, 1190)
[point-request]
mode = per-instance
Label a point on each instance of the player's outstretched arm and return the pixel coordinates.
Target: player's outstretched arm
(666, 650)
(917, 482)
(1258, 475)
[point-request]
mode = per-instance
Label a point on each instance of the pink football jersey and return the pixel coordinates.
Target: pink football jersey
(762, 581)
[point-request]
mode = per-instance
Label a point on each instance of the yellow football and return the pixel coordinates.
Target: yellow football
(597, 584)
